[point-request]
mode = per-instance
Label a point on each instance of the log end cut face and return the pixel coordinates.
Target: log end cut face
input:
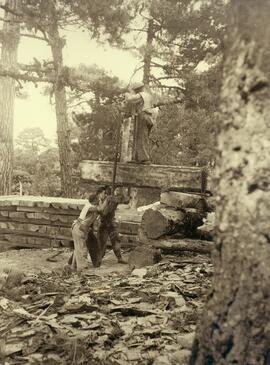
(157, 223)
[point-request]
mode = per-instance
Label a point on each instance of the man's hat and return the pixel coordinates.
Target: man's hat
(137, 85)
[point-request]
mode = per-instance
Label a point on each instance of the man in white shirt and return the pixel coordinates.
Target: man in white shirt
(142, 102)
(81, 229)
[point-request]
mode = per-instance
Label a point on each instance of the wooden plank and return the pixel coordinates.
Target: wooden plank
(123, 214)
(26, 226)
(39, 199)
(155, 176)
(7, 208)
(37, 235)
(48, 210)
(31, 202)
(36, 221)
(32, 242)
(24, 241)
(17, 215)
(128, 227)
(18, 243)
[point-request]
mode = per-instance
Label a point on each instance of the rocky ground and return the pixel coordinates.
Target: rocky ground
(110, 315)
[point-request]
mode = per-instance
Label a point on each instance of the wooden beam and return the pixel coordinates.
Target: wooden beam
(175, 178)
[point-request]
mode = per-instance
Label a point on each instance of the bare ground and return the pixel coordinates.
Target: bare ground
(35, 261)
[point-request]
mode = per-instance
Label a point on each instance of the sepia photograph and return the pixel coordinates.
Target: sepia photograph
(135, 182)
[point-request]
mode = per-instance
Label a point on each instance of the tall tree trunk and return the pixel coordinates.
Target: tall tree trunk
(63, 131)
(148, 52)
(235, 326)
(10, 36)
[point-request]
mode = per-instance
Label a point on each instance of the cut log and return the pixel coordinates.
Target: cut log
(170, 245)
(157, 223)
(137, 175)
(183, 200)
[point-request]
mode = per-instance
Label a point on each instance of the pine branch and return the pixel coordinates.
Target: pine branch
(11, 11)
(34, 37)
(137, 29)
(173, 77)
(18, 76)
(10, 21)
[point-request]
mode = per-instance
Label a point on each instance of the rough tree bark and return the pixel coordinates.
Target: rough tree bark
(63, 131)
(235, 327)
(10, 36)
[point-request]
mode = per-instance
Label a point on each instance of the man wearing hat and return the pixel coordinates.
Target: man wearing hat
(142, 103)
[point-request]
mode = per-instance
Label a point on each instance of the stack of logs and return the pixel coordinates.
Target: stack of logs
(172, 225)
(45, 222)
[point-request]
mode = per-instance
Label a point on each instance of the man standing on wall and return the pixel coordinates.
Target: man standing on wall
(142, 101)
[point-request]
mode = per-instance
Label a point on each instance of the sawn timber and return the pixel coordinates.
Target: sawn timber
(174, 178)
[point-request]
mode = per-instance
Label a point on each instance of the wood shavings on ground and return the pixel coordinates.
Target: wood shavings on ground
(105, 317)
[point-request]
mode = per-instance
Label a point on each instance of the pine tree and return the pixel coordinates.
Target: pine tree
(9, 38)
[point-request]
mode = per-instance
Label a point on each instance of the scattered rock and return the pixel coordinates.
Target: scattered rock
(186, 340)
(180, 357)
(162, 360)
(144, 256)
(173, 299)
(139, 272)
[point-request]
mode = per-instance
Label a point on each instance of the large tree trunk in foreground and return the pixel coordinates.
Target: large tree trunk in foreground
(235, 326)
(63, 130)
(10, 41)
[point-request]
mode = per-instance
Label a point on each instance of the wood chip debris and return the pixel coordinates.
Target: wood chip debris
(147, 317)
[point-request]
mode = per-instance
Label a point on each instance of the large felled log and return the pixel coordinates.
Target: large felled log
(167, 221)
(183, 200)
(172, 245)
(155, 176)
(157, 223)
